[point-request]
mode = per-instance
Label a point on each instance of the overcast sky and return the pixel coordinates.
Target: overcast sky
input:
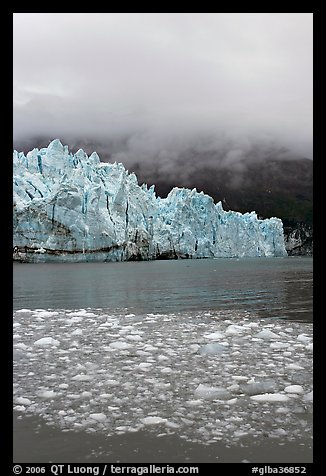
(101, 75)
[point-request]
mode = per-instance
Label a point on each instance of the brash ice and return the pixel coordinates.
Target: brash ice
(73, 207)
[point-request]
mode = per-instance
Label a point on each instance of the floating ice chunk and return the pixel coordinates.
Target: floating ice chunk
(279, 432)
(239, 433)
(98, 416)
(145, 365)
(232, 401)
(233, 329)
(303, 338)
(194, 403)
(308, 397)
(255, 388)
(17, 354)
(279, 345)
(266, 334)
(310, 347)
(63, 385)
(130, 315)
(171, 424)
(77, 332)
(270, 397)
(166, 370)
(47, 394)
(134, 337)
(21, 346)
(86, 394)
(82, 377)
(294, 367)
(294, 389)
(213, 349)
(212, 393)
(23, 401)
(120, 345)
(46, 341)
(284, 410)
(19, 408)
(24, 310)
(153, 420)
(214, 336)
(239, 378)
(194, 347)
(47, 313)
(83, 313)
(16, 324)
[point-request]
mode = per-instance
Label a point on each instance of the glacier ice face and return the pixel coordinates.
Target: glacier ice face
(71, 207)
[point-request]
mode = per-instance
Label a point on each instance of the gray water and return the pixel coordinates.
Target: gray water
(275, 287)
(167, 361)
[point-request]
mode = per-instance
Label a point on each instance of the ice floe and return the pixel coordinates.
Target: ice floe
(202, 376)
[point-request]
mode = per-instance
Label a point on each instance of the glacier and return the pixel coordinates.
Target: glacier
(73, 207)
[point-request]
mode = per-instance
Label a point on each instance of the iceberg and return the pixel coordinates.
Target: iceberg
(73, 207)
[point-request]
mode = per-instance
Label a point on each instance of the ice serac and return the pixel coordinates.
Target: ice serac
(71, 207)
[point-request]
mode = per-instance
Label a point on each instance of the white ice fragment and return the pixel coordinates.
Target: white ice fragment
(239, 378)
(98, 416)
(134, 337)
(166, 370)
(63, 385)
(24, 310)
(21, 346)
(294, 367)
(120, 345)
(308, 397)
(232, 401)
(194, 347)
(279, 432)
(145, 365)
(86, 394)
(194, 403)
(47, 313)
(239, 433)
(46, 341)
(234, 330)
(294, 389)
(23, 401)
(47, 394)
(270, 397)
(153, 420)
(282, 410)
(279, 345)
(19, 408)
(213, 349)
(171, 424)
(212, 393)
(77, 332)
(266, 334)
(82, 377)
(214, 336)
(255, 388)
(303, 338)
(83, 313)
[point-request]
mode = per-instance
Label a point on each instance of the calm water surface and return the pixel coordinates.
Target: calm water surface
(276, 287)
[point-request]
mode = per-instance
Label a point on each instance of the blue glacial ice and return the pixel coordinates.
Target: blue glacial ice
(73, 207)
